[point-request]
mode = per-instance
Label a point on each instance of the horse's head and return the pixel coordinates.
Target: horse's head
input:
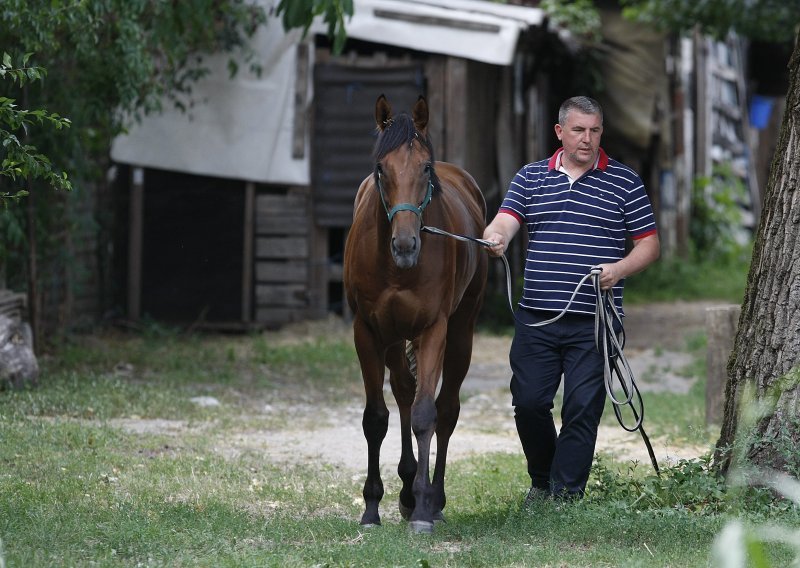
(404, 175)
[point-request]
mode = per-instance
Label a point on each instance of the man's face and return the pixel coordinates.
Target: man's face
(580, 136)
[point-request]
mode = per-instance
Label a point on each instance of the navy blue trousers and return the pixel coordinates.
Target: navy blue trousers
(558, 462)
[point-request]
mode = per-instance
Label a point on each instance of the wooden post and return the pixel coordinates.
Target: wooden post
(136, 233)
(456, 119)
(721, 322)
(247, 251)
(301, 77)
(319, 275)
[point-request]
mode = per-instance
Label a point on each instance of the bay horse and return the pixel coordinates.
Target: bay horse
(415, 298)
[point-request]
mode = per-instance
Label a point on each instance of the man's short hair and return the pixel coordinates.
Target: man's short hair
(582, 104)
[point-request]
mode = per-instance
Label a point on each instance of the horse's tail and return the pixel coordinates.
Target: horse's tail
(411, 359)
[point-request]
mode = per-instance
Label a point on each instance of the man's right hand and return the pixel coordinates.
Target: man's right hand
(500, 232)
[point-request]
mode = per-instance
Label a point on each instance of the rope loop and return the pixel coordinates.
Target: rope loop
(607, 342)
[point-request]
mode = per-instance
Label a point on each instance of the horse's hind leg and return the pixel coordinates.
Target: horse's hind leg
(404, 386)
(375, 421)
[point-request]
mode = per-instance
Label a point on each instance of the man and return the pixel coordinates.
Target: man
(579, 206)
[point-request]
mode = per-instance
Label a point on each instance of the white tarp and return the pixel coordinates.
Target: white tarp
(239, 128)
(242, 128)
(473, 29)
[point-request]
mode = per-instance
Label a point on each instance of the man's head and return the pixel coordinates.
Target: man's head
(580, 126)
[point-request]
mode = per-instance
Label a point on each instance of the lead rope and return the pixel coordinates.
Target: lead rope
(606, 341)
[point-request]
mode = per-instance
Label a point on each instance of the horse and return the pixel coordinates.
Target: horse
(414, 299)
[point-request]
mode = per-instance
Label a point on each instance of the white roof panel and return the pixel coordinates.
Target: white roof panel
(472, 29)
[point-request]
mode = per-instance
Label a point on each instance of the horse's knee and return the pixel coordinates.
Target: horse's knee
(373, 489)
(375, 423)
(423, 416)
(407, 466)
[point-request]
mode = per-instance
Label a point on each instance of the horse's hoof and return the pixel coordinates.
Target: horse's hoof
(421, 527)
(405, 512)
(370, 521)
(438, 517)
(370, 525)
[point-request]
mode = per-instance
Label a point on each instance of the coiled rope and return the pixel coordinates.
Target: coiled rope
(606, 340)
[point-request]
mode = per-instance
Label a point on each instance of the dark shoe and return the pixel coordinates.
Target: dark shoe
(564, 499)
(535, 495)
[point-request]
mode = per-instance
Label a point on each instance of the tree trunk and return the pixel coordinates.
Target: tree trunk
(766, 351)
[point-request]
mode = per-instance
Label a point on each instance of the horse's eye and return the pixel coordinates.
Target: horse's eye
(378, 169)
(428, 168)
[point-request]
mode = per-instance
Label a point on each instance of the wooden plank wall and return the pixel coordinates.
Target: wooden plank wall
(282, 248)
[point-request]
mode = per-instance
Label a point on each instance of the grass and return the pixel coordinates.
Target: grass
(661, 408)
(77, 489)
(721, 278)
(671, 279)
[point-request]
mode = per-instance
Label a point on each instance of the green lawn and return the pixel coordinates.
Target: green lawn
(78, 489)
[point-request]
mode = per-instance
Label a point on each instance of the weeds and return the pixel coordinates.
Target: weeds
(690, 485)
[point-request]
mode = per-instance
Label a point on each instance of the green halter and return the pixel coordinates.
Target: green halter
(416, 209)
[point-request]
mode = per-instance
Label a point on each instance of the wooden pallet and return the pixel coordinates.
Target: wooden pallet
(12, 304)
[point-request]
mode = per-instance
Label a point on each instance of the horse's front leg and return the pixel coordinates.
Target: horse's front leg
(423, 422)
(457, 357)
(404, 386)
(375, 421)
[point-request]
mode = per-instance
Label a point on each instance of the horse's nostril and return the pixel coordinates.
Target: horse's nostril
(404, 245)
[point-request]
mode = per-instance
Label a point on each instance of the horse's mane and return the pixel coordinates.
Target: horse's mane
(399, 131)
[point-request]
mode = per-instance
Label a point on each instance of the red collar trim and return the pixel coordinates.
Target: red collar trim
(555, 160)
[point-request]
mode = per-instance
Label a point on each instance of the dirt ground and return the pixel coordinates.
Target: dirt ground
(656, 349)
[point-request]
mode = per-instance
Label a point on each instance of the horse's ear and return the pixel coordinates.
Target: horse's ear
(420, 114)
(383, 113)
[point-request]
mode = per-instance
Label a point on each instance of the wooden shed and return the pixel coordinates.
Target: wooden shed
(237, 211)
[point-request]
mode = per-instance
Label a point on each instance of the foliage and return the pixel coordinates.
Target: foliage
(721, 247)
(301, 14)
(692, 485)
(693, 278)
(108, 62)
(107, 58)
(580, 17)
(22, 161)
(771, 20)
(717, 221)
(742, 543)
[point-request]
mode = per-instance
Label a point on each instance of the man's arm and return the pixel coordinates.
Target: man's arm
(645, 251)
(500, 231)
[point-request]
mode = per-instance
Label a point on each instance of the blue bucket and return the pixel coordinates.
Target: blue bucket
(760, 111)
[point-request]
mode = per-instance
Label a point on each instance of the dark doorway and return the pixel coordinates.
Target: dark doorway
(192, 248)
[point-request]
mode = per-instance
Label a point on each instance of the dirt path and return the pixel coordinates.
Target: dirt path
(656, 350)
(657, 338)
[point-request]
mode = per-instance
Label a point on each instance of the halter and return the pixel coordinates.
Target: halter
(416, 209)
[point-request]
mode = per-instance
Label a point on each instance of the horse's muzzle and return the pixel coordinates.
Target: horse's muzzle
(405, 251)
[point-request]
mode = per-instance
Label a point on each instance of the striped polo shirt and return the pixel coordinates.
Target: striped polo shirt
(573, 226)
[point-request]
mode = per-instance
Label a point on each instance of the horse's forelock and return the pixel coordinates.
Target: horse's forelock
(401, 131)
